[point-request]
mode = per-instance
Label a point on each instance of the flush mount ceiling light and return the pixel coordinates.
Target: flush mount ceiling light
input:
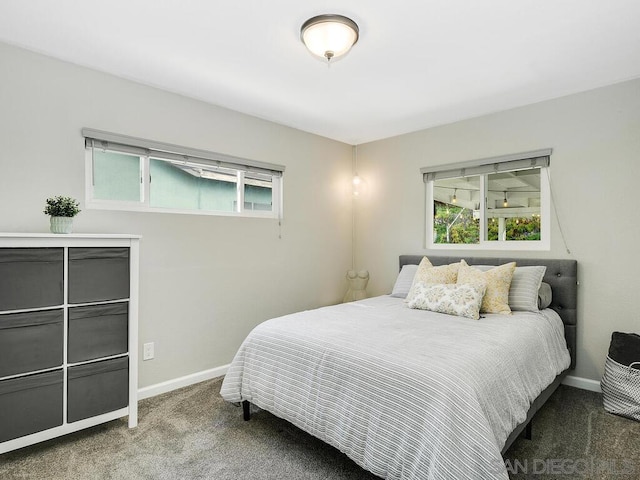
(329, 36)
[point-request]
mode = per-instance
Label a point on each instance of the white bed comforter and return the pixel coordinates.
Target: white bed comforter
(407, 394)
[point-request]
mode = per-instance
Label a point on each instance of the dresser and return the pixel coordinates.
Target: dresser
(68, 334)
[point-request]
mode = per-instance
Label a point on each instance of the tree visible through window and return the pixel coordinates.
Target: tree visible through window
(515, 229)
(454, 224)
(456, 204)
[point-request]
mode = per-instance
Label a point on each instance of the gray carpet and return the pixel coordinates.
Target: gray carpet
(191, 433)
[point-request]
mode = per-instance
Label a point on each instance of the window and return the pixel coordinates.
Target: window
(499, 203)
(125, 173)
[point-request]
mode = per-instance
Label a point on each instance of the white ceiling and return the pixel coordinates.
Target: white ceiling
(419, 63)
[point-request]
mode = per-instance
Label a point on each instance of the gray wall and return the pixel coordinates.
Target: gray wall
(205, 280)
(595, 169)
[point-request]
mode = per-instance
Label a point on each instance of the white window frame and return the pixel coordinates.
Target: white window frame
(520, 245)
(155, 150)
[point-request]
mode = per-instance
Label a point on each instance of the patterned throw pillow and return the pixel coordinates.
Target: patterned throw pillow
(429, 274)
(462, 300)
(497, 280)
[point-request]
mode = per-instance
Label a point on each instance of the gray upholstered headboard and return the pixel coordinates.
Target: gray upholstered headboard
(561, 274)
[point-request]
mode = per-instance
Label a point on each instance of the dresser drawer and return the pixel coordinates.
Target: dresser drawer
(98, 331)
(31, 341)
(98, 274)
(31, 278)
(97, 388)
(30, 404)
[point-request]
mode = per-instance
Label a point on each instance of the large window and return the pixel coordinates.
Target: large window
(125, 173)
(499, 203)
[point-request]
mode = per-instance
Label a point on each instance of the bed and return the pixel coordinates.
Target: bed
(410, 394)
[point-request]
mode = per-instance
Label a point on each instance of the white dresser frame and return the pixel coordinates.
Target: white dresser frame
(66, 241)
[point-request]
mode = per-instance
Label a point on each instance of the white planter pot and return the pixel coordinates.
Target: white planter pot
(61, 224)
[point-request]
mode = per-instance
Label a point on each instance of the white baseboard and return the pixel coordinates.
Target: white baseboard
(583, 383)
(169, 385)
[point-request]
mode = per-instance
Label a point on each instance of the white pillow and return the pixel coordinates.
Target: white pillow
(403, 282)
(461, 299)
(523, 293)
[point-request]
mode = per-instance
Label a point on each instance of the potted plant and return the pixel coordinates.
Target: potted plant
(62, 210)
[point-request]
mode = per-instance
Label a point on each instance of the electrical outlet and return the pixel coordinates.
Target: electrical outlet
(148, 351)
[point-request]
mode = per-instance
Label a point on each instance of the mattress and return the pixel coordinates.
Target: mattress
(407, 394)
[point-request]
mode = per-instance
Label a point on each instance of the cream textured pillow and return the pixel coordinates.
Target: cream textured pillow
(429, 274)
(462, 300)
(497, 280)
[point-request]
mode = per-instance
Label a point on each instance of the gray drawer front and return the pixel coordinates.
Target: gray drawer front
(30, 404)
(98, 331)
(97, 388)
(31, 278)
(98, 274)
(31, 341)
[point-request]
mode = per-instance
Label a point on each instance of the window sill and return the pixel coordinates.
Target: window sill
(494, 246)
(138, 208)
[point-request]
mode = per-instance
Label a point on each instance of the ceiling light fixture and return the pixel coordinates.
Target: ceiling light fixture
(454, 199)
(329, 36)
(505, 202)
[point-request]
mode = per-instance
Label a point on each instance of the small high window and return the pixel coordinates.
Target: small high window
(501, 203)
(125, 173)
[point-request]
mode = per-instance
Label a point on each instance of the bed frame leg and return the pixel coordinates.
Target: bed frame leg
(246, 410)
(527, 430)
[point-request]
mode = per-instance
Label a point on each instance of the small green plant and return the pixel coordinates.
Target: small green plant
(62, 207)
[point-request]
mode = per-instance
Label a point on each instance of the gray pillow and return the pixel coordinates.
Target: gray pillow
(404, 281)
(544, 296)
(523, 293)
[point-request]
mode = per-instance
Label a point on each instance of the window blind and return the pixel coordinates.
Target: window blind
(505, 163)
(175, 153)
